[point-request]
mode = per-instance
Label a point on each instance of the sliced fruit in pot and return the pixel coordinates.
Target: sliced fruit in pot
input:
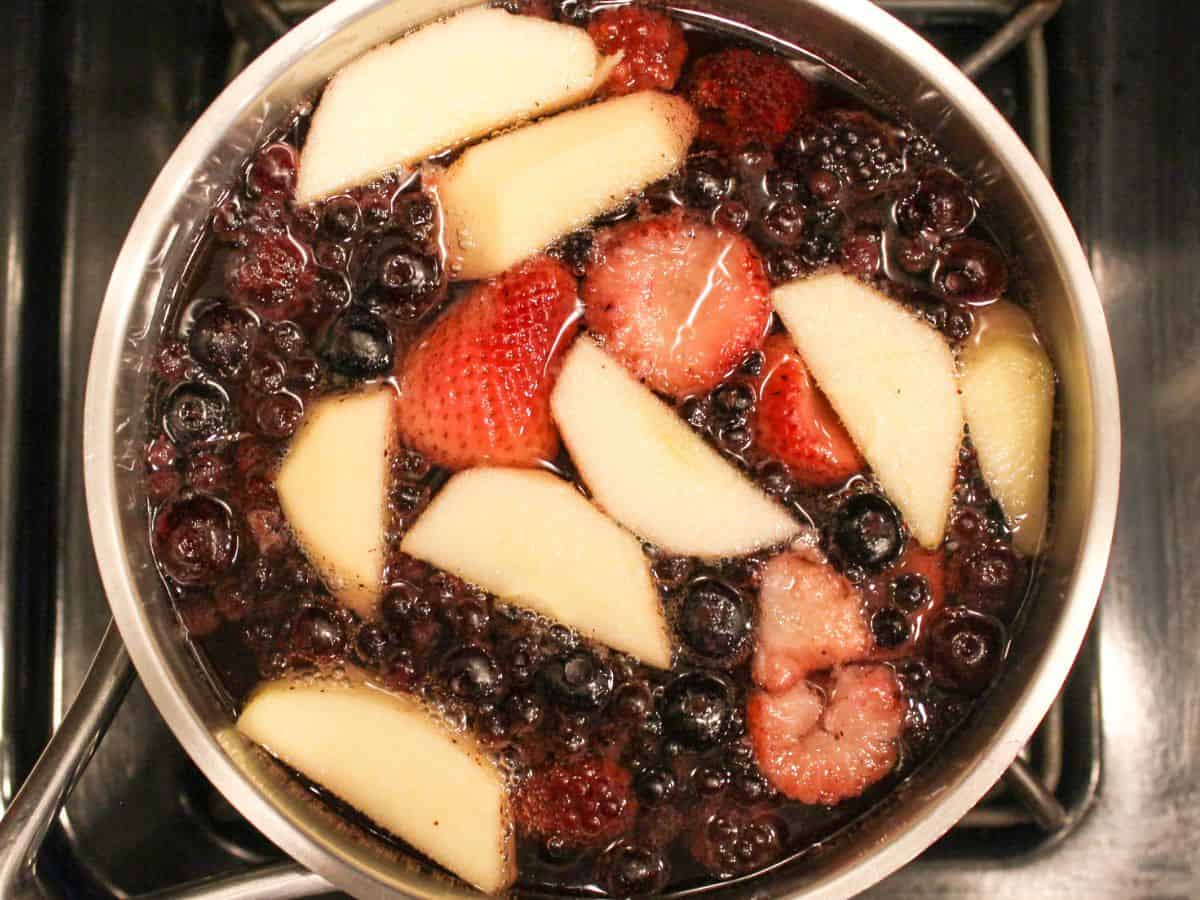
(891, 379)
(333, 487)
(678, 301)
(511, 196)
(384, 110)
(810, 618)
(795, 423)
(1008, 395)
(564, 559)
(652, 473)
(391, 759)
(476, 389)
(828, 746)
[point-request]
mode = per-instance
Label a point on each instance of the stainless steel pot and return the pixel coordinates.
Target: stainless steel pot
(868, 42)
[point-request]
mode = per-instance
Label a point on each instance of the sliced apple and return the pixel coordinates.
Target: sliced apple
(511, 196)
(648, 470)
(562, 557)
(393, 761)
(333, 487)
(1008, 395)
(891, 378)
(445, 84)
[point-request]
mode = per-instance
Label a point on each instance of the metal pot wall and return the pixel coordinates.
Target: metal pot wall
(879, 50)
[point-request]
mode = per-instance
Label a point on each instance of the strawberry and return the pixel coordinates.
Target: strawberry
(476, 388)
(679, 302)
(795, 423)
(746, 97)
(653, 45)
(810, 618)
(578, 802)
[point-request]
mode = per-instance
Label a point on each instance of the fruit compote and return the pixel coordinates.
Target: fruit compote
(855, 596)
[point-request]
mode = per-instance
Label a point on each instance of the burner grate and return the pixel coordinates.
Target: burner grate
(185, 841)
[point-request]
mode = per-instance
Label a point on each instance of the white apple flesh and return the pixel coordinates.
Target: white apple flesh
(397, 764)
(512, 195)
(1008, 394)
(891, 378)
(648, 470)
(532, 539)
(333, 487)
(440, 86)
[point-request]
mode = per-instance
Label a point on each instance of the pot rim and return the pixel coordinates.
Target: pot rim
(205, 747)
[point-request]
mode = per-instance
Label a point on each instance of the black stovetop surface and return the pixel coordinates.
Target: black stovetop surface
(95, 95)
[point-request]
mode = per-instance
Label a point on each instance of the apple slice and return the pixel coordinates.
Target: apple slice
(891, 379)
(1008, 395)
(648, 470)
(509, 197)
(444, 84)
(393, 761)
(562, 557)
(333, 488)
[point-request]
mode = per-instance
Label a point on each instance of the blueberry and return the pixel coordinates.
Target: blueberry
(315, 632)
(358, 344)
(221, 340)
(714, 621)
(407, 275)
(195, 540)
(965, 649)
(867, 532)
(697, 710)
(633, 871)
(195, 411)
(472, 675)
(890, 628)
(342, 217)
(940, 205)
(655, 786)
(910, 591)
(578, 680)
(706, 182)
(970, 271)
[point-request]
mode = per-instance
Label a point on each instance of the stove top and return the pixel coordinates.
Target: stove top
(88, 134)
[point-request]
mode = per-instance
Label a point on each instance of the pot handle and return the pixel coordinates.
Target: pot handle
(37, 804)
(28, 819)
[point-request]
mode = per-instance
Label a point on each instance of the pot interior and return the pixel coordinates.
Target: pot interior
(878, 51)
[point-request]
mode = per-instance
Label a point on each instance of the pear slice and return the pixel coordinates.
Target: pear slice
(559, 556)
(509, 197)
(648, 470)
(891, 378)
(393, 761)
(1008, 395)
(333, 488)
(441, 86)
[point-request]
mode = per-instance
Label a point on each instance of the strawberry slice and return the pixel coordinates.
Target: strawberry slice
(653, 45)
(795, 423)
(679, 302)
(476, 388)
(745, 97)
(578, 802)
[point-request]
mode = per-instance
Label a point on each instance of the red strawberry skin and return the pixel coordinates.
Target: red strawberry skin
(653, 44)
(678, 301)
(745, 97)
(795, 423)
(476, 389)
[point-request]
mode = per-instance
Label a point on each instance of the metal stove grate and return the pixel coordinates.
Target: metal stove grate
(216, 854)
